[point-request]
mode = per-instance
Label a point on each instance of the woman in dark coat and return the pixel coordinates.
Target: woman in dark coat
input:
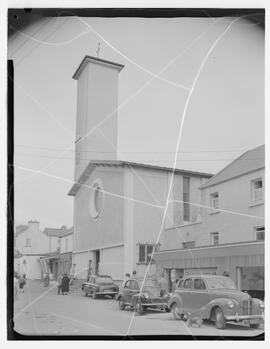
(65, 284)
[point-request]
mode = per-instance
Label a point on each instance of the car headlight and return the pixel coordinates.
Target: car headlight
(230, 304)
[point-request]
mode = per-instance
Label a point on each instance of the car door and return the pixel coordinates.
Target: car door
(186, 294)
(134, 289)
(200, 294)
(126, 291)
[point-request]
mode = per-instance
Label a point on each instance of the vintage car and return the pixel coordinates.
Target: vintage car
(215, 298)
(141, 294)
(100, 285)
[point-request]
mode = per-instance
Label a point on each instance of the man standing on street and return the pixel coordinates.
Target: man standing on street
(65, 284)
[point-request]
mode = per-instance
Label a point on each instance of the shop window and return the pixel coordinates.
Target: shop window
(259, 231)
(214, 201)
(188, 244)
(145, 252)
(257, 190)
(215, 238)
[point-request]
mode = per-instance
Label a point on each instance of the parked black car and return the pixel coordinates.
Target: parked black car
(100, 285)
(140, 298)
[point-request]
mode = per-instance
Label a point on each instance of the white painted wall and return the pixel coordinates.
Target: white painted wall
(235, 196)
(39, 241)
(66, 243)
(112, 262)
(28, 265)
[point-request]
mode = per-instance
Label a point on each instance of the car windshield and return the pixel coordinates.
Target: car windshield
(148, 283)
(224, 282)
(104, 280)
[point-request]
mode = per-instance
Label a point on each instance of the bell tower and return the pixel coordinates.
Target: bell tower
(97, 102)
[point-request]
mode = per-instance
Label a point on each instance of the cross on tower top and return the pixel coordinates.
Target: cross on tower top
(98, 49)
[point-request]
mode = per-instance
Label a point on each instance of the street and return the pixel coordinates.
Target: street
(41, 311)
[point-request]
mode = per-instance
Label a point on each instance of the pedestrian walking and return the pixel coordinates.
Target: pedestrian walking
(134, 274)
(65, 284)
(162, 285)
(59, 283)
(22, 282)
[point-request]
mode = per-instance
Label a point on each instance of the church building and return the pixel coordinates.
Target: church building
(119, 205)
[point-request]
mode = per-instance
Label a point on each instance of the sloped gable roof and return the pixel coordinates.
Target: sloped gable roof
(93, 163)
(250, 161)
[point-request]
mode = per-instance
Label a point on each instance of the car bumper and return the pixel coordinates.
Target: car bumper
(238, 318)
(107, 293)
(154, 305)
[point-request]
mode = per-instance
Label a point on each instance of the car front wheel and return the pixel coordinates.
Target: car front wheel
(121, 304)
(220, 319)
(174, 311)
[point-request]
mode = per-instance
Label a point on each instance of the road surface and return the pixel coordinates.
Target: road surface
(41, 311)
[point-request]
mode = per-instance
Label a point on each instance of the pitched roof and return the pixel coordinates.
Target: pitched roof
(250, 161)
(57, 232)
(20, 229)
(93, 163)
(67, 232)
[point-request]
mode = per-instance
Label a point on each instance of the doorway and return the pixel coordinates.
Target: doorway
(96, 261)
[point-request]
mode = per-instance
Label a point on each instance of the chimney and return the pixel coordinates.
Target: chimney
(33, 224)
(97, 99)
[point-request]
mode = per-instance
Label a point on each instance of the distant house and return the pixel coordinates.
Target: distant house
(66, 249)
(230, 235)
(38, 252)
(56, 260)
(31, 243)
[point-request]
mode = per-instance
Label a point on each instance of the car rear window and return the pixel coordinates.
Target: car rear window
(199, 284)
(104, 280)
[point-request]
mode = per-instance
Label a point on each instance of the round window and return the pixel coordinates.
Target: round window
(96, 199)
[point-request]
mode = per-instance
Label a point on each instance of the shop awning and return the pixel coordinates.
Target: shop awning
(205, 255)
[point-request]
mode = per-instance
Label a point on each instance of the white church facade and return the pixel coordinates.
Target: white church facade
(119, 205)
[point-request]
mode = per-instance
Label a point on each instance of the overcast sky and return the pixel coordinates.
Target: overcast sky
(224, 118)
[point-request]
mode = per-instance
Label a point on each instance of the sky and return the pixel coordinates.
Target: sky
(224, 116)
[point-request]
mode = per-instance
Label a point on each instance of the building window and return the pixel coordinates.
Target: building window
(214, 201)
(96, 199)
(145, 252)
(66, 242)
(27, 242)
(186, 198)
(257, 190)
(259, 232)
(215, 238)
(188, 244)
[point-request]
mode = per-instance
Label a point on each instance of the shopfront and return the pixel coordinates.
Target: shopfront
(243, 261)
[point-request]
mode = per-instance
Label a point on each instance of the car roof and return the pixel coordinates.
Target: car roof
(208, 276)
(101, 276)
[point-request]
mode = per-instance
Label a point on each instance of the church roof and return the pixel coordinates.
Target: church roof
(94, 163)
(250, 161)
(57, 232)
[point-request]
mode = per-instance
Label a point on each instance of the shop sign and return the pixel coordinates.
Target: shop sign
(202, 271)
